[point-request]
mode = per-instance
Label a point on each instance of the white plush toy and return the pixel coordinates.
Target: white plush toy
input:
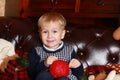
(113, 76)
(6, 49)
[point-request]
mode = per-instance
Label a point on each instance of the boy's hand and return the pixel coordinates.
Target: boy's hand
(74, 63)
(50, 60)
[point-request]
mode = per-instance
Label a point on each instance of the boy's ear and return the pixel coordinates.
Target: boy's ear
(63, 34)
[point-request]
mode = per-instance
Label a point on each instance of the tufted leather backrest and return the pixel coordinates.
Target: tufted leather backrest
(20, 32)
(93, 44)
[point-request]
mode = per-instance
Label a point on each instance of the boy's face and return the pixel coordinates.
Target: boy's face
(51, 34)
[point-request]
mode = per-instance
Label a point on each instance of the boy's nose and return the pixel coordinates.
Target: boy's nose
(49, 35)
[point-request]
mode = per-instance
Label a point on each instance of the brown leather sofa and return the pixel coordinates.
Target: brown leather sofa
(93, 44)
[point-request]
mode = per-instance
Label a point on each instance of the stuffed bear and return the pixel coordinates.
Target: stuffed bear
(101, 76)
(113, 76)
(7, 53)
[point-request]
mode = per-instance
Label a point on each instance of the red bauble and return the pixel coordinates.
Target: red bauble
(59, 68)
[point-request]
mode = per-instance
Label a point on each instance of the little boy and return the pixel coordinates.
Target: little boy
(52, 31)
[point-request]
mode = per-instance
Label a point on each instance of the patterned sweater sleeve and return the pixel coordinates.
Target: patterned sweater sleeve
(77, 71)
(35, 66)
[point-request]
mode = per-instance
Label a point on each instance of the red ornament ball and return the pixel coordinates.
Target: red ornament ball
(59, 68)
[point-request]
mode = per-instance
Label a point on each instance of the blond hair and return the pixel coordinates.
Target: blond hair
(52, 16)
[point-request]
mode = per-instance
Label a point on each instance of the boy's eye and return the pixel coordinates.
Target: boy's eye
(44, 31)
(54, 31)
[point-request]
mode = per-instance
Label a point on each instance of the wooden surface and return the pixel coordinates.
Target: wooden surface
(77, 9)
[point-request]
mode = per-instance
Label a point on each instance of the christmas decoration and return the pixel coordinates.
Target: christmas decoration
(22, 61)
(83, 77)
(113, 76)
(59, 68)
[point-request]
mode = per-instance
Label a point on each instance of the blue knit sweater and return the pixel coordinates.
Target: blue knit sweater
(39, 54)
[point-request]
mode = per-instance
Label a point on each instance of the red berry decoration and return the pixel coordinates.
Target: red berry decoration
(59, 68)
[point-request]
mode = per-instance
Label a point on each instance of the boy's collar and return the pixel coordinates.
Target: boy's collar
(60, 46)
